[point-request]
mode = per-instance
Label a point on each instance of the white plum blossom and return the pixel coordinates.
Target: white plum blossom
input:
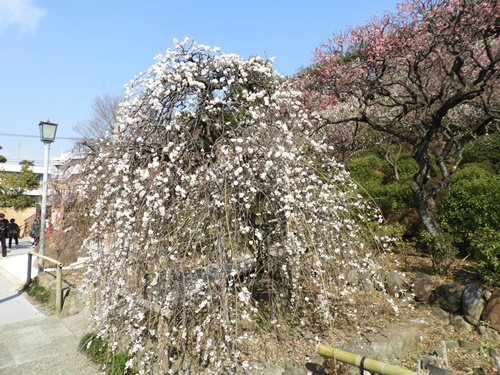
(217, 206)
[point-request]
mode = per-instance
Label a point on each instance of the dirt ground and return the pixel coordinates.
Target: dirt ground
(475, 359)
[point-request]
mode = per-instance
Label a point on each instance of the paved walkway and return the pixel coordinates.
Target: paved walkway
(33, 340)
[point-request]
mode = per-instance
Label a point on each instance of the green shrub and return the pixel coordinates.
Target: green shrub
(487, 245)
(484, 150)
(471, 172)
(469, 213)
(372, 175)
(394, 197)
(440, 248)
(98, 351)
(367, 171)
(406, 165)
(38, 292)
(94, 347)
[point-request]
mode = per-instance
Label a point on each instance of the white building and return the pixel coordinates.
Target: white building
(38, 171)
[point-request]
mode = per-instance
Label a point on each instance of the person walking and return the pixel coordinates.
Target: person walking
(35, 232)
(13, 233)
(4, 231)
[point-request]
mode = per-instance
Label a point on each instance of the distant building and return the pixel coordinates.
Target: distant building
(62, 171)
(38, 171)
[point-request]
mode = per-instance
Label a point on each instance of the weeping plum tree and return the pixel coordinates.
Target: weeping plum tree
(219, 219)
(427, 75)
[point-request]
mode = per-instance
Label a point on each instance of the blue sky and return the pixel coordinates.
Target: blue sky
(56, 56)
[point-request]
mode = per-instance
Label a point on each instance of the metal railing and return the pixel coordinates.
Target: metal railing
(59, 266)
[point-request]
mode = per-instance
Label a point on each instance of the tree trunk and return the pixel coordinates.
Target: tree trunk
(440, 251)
(423, 204)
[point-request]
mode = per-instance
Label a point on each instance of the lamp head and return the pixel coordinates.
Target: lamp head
(47, 131)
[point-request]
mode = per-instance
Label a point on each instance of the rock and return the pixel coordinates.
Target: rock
(316, 369)
(316, 366)
(472, 303)
(363, 349)
(424, 362)
(367, 286)
(450, 344)
(491, 312)
(352, 276)
(422, 288)
(440, 314)
(473, 345)
(45, 278)
(73, 303)
(479, 371)
(448, 297)
(379, 280)
(395, 284)
(487, 294)
(488, 333)
(396, 341)
(292, 370)
(434, 370)
(265, 369)
(460, 324)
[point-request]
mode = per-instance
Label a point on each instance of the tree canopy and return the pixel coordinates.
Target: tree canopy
(426, 75)
(3, 159)
(100, 124)
(13, 186)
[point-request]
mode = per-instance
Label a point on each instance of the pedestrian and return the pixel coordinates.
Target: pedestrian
(4, 230)
(35, 232)
(13, 233)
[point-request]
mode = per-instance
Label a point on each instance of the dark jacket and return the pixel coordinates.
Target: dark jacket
(4, 226)
(35, 230)
(14, 229)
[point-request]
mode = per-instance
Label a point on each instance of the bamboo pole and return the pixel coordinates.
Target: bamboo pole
(59, 266)
(360, 361)
(80, 262)
(30, 264)
(58, 289)
(56, 262)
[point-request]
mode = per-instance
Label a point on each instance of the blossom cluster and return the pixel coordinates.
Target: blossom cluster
(219, 211)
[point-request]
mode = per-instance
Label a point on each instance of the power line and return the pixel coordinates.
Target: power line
(35, 136)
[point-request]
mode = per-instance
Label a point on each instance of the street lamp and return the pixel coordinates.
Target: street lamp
(47, 136)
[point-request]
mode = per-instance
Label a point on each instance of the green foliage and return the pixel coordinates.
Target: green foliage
(94, 347)
(98, 351)
(469, 213)
(3, 159)
(486, 244)
(14, 185)
(367, 171)
(441, 250)
(372, 174)
(393, 197)
(38, 292)
(27, 179)
(485, 150)
(406, 165)
(471, 172)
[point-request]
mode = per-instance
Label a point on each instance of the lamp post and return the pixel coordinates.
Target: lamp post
(47, 136)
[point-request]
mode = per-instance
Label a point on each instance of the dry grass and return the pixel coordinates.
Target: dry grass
(468, 361)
